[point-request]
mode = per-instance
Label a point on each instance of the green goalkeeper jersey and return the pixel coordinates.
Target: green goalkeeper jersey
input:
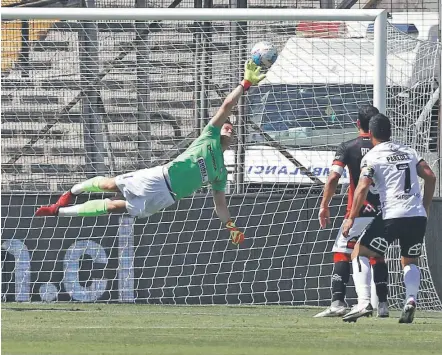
(201, 164)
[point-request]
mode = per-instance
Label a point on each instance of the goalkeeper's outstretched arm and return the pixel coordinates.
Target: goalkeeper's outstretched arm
(225, 110)
(252, 76)
(221, 209)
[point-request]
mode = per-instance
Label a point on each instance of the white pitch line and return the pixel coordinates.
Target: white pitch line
(148, 327)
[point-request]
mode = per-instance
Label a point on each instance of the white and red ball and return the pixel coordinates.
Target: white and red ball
(264, 54)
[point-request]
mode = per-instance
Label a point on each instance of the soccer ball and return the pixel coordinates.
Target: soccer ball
(264, 54)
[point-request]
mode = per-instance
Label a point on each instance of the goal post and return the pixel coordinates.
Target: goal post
(107, 91)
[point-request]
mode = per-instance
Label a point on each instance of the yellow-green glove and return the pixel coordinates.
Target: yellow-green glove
(236, 236)
(252, 75)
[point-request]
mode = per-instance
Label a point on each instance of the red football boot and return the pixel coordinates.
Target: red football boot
(65, 199)
(51, 210)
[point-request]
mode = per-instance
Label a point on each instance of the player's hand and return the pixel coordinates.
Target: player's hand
(252, 75)
(324, 216)
(236, 236)
(347, 226)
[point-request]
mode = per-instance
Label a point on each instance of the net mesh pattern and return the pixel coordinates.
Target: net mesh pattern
(108, 97)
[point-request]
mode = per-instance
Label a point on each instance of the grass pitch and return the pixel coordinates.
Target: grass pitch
(73, 329)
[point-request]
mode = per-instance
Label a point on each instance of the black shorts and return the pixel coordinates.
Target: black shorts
(410, 232)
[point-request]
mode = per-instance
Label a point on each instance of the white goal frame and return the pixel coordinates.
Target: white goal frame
(126, 256)
(379, 16)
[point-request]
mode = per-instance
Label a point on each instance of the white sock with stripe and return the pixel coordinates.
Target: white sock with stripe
(362, 279)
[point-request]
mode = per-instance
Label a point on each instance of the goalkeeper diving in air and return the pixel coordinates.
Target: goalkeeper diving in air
(147, 191)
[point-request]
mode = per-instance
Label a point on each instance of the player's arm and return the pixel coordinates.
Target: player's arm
(425, 172)
(360, 195)
(329, 191)
(221, 209)
(252, 76)
(337, 170)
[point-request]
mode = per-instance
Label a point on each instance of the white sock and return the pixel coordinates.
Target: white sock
(412, 280)
(71, 211)
(77, 189)
(91, 185)
(362, 279)
(374, 300)
(88, 209)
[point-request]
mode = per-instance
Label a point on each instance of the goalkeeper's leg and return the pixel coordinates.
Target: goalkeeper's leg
(89, 208)
(96, 184)
(93, 208)
(145, 192)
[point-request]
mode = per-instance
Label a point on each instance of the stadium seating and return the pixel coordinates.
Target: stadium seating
(29, 102)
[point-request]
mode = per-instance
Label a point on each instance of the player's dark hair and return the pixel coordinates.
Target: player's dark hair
(380, 127)
(365, 113)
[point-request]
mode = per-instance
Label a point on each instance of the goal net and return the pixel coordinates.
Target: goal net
(103, 96)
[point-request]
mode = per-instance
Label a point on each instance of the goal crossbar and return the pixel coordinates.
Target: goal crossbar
(205, 14)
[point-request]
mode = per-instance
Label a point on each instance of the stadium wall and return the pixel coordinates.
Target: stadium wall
(182, 258)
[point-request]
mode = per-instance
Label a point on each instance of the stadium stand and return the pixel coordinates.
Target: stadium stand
(30, 102)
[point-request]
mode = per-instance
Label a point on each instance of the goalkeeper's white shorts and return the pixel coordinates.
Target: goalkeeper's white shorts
(346, 245)
(146, 191)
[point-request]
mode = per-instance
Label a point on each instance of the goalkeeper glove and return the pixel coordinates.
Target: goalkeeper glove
(236, 236)
(252, 75)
